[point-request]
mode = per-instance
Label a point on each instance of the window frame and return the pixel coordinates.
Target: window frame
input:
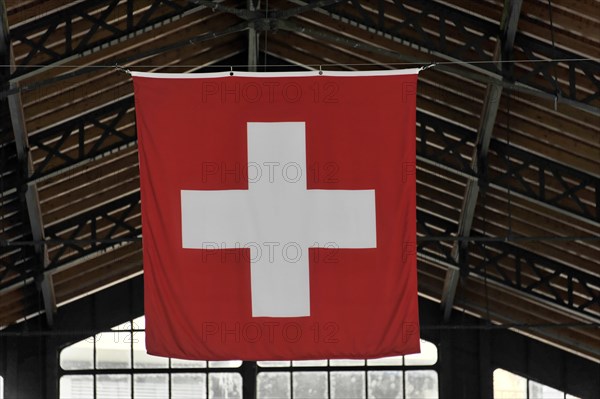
(246, 370)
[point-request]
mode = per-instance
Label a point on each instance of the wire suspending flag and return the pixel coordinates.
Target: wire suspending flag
(279, 214)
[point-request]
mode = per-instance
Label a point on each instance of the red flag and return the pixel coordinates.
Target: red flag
(279, 214)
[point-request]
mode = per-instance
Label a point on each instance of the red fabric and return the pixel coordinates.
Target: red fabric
(360, 134)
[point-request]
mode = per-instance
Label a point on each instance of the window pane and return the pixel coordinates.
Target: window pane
(386, 361)
(122, 327)
(427, 357)
(421, 384)
(1, 387)
(309, 363)
(346, 362)
(347, 384)
(273, 385)
(225, 385)
(150, 386)
(113, 386)
(274, 363)
(310, 384)
(139, 323)
(74, 387)
(188, 386)
(113, 350)
(141, 359)
(79, 356)
(225, 363)
(385, 384)
(183, 363)
(508, 385)
(541, 391)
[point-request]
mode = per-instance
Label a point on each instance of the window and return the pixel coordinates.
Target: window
(115, 365)
(509, 385)
(412, 376)
(1, 387)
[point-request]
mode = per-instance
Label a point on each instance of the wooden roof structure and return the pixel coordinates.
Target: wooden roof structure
(508, 140)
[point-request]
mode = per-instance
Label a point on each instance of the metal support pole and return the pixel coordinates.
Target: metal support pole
(32, 202)
(249, 370)
(504, 46)
(252, 41)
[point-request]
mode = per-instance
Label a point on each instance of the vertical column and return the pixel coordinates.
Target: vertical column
(252, 41)
(31, 368)
(249, 370)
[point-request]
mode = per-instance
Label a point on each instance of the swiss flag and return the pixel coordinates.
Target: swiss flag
(279, 215)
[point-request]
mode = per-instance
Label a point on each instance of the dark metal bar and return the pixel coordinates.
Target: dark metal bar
(64, 130)
(283, 14)
(491, 103)
(474, 33)
(429, 127)
(31, 201)
(550, 273)
(84, 10)
(248, 370)
(503, 176)
(115, 213)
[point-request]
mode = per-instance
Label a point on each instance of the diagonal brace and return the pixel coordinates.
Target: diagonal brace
(503, 51)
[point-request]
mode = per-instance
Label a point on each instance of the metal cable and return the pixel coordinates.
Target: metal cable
(508, 238)
(431, 327)
(477, 62)
(556, 86)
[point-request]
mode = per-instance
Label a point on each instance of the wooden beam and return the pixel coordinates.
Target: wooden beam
(117, 23)
(252, 40)
(32, 202)
(508, 26)
(361, 42)
(449, 290)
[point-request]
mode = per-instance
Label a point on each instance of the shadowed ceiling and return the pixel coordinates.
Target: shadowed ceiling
(508, 140)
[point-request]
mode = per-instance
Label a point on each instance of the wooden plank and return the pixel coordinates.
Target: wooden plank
(103, 227)
(69, 275)
(18, 303)
(293, 56)
(563, 19)
(586, 229)
(506, 267)
(581, 8)
(584, 86)
(546, 311)
(96, 279)
(19, 11)
(554, 153)
(430, 193)
(524, 211)
(515, 310)
(508, 306)
(441, 183)
(330, 54)
(553, 187)
(80, 28)
(542, 31)
(92, 197)
(430, 24)
(71, 195)
(77, 101)
(549, 123)
(569, 253)
(438, 208)
(88, 173)
(166, 34)
(72, 88)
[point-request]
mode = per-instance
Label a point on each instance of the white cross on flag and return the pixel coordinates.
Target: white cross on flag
(278, 214)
